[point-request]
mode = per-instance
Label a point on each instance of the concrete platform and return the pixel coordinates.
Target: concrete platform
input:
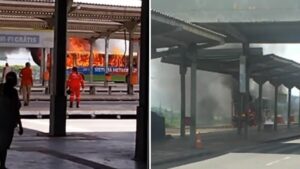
(80, 150)
(88, 97)
(175, 150)
(88, 109)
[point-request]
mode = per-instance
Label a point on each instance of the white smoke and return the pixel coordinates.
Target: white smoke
(214, 101)
(16, 56)
(113, 44)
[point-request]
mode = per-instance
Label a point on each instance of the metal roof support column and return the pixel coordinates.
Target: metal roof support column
(91, 60)
(299, 108)
(106, 58)
(244, 87)
(193, 99)
(246, 78)
(130, 71)
(260, 87)
(47, 69)
(58, 97)
(275, 106)
(247, 102)
(42, 66)
(51, 52)
(239, 120)
(130, 27)
(142, 120)
(289, 107)
(182, 72)
(137, 45)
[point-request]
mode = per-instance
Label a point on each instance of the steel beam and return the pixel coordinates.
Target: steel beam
(227, 29)
(197, 30)
(170, 53)
(283, 75)
(208, 65)
(265, 69)
(215, 53)
(259, 80)
(229, 52)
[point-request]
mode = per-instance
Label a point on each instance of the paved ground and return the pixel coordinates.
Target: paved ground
(102, 144)
(92, 143)
(85, 125)
(274, 155)
(177, 151)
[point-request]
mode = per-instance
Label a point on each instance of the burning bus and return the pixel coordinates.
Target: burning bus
(78, 54)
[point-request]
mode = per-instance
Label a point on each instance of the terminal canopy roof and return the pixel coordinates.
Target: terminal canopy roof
(168, 31)
(262, 68)
(257, 32)
(252, 21)
(84, 20)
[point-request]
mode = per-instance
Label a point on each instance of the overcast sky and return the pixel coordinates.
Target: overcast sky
(289, 51)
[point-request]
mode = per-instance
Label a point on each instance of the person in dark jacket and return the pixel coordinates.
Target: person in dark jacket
(9, 115)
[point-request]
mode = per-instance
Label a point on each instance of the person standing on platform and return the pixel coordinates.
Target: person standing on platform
(26, 82)
(9, 115)
(6, 69)
(74, 83)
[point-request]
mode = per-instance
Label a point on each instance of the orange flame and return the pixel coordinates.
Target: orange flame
(116, 59)
(77, 44)
(79, 55)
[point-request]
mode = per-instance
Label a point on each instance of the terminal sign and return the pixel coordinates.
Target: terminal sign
(26, 38)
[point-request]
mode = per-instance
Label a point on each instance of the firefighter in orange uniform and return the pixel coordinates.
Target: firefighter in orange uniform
(74, 83)
(26, 82)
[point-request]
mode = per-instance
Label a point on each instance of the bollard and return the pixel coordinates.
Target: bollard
(109, 90)
(198, 143)
(93, 115)
(39, 116)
